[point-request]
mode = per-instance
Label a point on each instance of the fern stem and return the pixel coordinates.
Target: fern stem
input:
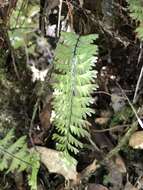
(73, 85)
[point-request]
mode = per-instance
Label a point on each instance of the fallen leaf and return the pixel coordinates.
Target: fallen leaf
(55, 162)
(136, 140)
(93, 186)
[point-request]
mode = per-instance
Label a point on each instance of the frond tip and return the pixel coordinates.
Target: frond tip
(75, 81)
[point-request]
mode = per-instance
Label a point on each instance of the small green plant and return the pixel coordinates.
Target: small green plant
(74, 82)
(15, 156)
(123, 117)
(22, 24)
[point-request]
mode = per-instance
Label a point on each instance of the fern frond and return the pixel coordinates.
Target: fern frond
(74, 62)
(14, 155)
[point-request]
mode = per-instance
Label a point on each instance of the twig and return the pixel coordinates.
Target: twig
(108, 94)
(110, 129)
(103, 92)
(140, 53)
(137, 86)
(140, 76)
(59, 18)
(93, 144)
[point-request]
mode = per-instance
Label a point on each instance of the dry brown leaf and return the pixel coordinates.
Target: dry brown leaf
(45, 116)
(55, 163)
(136, 140)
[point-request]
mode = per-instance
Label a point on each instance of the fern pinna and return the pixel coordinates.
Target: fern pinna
(74, 82)
(15, 156)
(136, 12)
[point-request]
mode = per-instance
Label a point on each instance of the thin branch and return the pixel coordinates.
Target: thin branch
(59, 18)
(110, 129)
(140, 53)
(138, 84)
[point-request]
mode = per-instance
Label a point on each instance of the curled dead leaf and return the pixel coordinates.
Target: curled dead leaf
(136, 140)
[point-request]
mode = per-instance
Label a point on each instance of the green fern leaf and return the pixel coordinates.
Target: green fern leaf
(72, 89)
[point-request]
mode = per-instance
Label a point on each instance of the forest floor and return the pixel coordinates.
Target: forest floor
(113, 160)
